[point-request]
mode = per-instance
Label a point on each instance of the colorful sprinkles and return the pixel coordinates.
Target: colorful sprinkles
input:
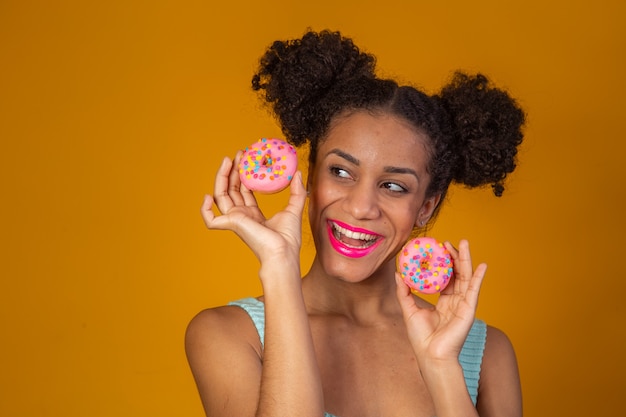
(425, 265)
(268, 165)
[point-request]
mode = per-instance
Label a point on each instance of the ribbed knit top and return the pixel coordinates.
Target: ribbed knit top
(470, 358)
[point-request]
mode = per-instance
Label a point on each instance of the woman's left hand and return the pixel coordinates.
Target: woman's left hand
(437, 333)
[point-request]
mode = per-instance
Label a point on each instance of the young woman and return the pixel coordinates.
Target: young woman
(349, 338)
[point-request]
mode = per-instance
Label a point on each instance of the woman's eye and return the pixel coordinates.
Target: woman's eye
(391, 186)
(339, 172)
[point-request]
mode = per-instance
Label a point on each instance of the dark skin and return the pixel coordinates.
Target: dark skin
(349, 337)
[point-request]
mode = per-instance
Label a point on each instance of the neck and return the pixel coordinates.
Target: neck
(361, 301)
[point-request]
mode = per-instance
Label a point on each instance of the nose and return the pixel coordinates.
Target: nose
(362, 202)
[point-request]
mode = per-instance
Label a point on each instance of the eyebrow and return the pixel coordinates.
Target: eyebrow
(345, 156)
(389, 169)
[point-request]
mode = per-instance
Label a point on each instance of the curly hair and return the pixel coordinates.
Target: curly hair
(474, 128)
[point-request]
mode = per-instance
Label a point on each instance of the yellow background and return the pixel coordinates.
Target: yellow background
(114, 117)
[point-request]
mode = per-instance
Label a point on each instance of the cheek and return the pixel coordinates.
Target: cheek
(314, 211)
(320, 200)
(408, 216)
(323, 193)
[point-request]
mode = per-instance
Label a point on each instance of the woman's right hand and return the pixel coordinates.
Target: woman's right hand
(236, 374)
(270, 239)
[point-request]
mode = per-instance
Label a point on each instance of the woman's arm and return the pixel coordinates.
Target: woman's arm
(291, 383)
(236, 379)
(499, 389)
(224, 353)
(233, 380)
(437, 334)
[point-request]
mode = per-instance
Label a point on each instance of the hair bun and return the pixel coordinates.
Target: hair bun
(486, 125)
(296, 75)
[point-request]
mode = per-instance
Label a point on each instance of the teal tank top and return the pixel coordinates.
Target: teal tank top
(470, 358)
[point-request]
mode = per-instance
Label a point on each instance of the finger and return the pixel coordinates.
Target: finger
(463, 268)
(473, 289)
(450, 288)
(211, 220)
(454, 254)
(248, 196)
(450, 247)
(220, 194)
(405, 298)
(207, 210)
(297, 196)
(239, 189)
(234, 181)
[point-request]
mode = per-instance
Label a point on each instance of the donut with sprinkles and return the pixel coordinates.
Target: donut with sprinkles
(425, 265)
(268, 165)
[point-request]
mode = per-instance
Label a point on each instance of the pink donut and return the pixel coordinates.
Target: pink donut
(267, 166)
(425, 265)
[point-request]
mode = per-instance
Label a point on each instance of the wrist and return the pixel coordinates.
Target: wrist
(279, 273)
(440, 367)
(446, 383)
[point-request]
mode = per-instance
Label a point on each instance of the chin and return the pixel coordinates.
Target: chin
(355, 270)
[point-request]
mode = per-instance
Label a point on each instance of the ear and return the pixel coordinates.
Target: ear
(426, 211)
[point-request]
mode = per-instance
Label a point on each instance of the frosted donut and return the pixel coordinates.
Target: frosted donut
(425, 265)
(268, 165)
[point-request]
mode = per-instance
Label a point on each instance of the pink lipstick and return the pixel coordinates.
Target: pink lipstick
(352, 242)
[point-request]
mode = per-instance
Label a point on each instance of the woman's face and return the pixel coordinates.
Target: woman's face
(367, 193)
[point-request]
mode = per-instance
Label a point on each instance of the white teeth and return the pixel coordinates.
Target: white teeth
(353, 235)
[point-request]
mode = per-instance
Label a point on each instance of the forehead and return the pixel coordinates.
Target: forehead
(377, 137)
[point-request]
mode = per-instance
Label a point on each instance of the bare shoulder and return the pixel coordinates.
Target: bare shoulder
(497, 343)
(499, 391)
(222, 325)
(224, 353)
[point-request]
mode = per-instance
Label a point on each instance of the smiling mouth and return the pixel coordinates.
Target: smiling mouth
(353, 239)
